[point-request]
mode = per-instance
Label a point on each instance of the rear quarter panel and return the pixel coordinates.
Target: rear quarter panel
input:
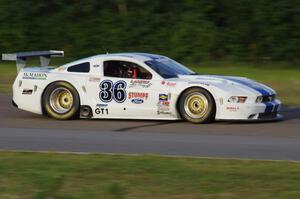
(37, 81)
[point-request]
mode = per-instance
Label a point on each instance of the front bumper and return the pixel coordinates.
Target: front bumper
(268, 111)
(14, 104)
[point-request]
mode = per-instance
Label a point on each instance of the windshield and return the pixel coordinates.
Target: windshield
(168, 68)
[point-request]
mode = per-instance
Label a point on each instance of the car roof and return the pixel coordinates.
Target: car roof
(134, 55)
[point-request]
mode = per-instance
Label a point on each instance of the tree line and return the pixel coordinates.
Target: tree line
(187, 30)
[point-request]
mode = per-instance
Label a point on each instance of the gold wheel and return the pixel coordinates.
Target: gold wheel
(61, 100)
(196, 105)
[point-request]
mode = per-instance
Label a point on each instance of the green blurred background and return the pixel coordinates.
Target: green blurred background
(186, 30)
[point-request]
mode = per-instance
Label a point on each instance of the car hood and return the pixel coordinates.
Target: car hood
(228, 81)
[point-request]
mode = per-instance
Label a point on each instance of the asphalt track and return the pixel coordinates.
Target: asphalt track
(22, 131)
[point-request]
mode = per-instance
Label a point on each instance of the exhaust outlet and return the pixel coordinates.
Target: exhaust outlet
(86, 112)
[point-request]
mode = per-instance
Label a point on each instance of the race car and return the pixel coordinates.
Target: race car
(136, 86)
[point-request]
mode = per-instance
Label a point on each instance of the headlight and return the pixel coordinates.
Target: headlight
(259, 99)
(237, 99)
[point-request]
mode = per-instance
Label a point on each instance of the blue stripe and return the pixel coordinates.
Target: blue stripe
(269, 107)
(261, 90)
(276, 107)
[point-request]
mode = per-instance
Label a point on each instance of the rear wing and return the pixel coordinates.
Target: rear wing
(21, 57)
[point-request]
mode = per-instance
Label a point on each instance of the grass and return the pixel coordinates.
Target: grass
(285, 79)
(50, 175)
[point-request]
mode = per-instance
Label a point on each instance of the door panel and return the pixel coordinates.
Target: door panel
(123, 92)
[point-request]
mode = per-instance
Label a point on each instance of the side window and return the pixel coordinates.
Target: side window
(80, 68)
(125, 69)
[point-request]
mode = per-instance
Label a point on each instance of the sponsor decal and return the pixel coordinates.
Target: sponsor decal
(163, 97)
(102, 111)
(202, 83)
(141, 83)
(163, 106)
(96, 65)
(233, 108)
(132, 95)
(27, 91)
(167, 103)
(102, 105)
(137, 101)
(94, 79)
(171, 84)
(34, 75)
(168, 83)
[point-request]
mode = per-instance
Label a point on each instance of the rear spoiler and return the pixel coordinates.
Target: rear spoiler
(21, 57)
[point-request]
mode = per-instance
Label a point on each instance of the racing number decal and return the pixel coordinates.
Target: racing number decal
(109, 91)
(119, 91)
(105, 94)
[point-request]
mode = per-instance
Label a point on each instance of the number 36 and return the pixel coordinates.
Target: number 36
(109, 91)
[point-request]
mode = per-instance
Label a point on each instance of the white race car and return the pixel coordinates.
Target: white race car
(136, 86)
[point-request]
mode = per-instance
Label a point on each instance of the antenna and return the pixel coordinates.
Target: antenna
(105, 50)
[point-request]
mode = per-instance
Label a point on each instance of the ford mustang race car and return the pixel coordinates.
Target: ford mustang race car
(136, 86)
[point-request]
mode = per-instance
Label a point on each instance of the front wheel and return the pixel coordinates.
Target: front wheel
(61, 101)
(196, 105)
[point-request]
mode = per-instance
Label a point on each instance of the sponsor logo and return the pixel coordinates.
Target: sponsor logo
(202, 83)
(37, 76)
(167, 103)
(233, 108)
(96, 65)
(163, 97)
(27, 91)
(132, 95)
(163, 106)
(137, 101)
(94, 79)
(102, 105)
(139, 83)
(168, 83)
(171, 83)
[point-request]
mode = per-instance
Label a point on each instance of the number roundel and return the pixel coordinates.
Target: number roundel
(109, 91)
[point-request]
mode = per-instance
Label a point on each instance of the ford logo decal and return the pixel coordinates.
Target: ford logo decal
(137, 101)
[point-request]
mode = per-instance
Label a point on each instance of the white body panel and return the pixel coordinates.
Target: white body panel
(143, 98)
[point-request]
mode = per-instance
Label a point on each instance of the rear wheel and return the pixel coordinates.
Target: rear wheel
(197, 105)
(61, 101)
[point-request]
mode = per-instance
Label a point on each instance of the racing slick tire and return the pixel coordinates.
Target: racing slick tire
(61, 101)
(197, 105)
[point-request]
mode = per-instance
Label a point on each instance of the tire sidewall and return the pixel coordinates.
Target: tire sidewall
(208, 117)
(72, 113)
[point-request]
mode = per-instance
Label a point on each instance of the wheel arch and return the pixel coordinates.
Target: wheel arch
(56, 81)
(192, 87)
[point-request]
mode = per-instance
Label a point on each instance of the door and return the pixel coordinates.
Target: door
(125, 90)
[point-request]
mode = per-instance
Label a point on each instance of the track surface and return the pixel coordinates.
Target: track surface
(20, 130)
